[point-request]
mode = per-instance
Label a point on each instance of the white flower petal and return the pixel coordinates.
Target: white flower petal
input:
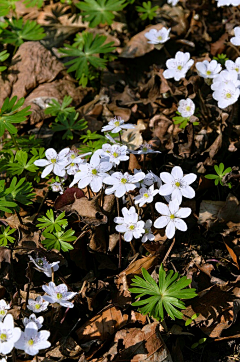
(170, 230)
(190, 178)
(166, 177)
(161, 222)
(162, 208)
(183, 212)
(173, 206)
(180, 224)
(51, 154)
(166, 189)
(47, 171)
(177, 172)
(188, 192)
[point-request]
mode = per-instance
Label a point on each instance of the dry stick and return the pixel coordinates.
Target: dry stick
(168, 252)
(52, 274)
(120, 239)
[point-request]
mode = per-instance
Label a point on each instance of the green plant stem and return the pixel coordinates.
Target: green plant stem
(14, 141)
(120, 137)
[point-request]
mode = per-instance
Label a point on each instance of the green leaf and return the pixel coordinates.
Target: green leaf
(20, 32)
(21, 163)
(3, 56)
(50, 224)
(84, 56)
(146, 10)
(166, 295)
(211, 177)
(56, 109)
(11, 113)
(59, 240)
(6, 6)
(69, 125)
(32, 3)
(100, 11)
(5, 237)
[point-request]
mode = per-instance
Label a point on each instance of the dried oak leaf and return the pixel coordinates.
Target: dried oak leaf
(90, 211)
(103, 325)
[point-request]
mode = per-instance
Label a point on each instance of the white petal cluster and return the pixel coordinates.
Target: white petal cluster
(172, 2)
(233, 66)
(235, 40)
(55, 162)
(33, 318)
(144, 149)
(38, 305)
(177, 185)
(186, 107)
(116, 125)
(121, 183)
(148, 235)
(32, 340)
(171, 217)
(178, 66)
(146, 196)
(57, 187)
(155, 36)
(114, 153)
(208, 69)
(4, 307)
(129, 224)
(58, 294)
(228, 2)
(44, 266)
(226, 88)
(9, 335)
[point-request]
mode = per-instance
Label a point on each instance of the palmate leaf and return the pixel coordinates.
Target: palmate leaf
(164, 295)
(84, 55)
(50, 223)
(6, 6)
(59, 240)
(69, 124)
(5, 236)
(20, 32)
(100, 11)
(146, 10)
(11, 113)
(3, 56)
(55, 108)
(32, 3)
(21, 163)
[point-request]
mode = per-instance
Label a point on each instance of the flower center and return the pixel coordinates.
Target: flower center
(188, 108)
(123, 180)
(177, 184)
(208, 72)
(145, 195)
(53, 160)
(37, 306)
(115, 154)
(228, 95)
(117, 123)
(2, 312)
(59, 295)
(94, 171)
(237, 69)
(30, 342)
(172, 217)
(159, 37)
(179, 67)
(3, 337)
(72, 164)
(72, 156)
(40, 262)
(131, 227)
(144, 149)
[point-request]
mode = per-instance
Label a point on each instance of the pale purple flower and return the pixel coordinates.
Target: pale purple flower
(145, 195)
(148, 235)
(58, 294)
(44, 266)
(172, 217)
(57, 187)
(38, 305)
(33, 318)
(32, 340)
(144, 149)
(116, 125)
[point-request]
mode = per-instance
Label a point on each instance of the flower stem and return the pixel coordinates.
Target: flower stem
(14, 141)
(120, 239)
(120, 137)
(52, 274)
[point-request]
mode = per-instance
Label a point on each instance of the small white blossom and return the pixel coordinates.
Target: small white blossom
(122, 183)
(235, 40)
(9, 334)
(208, 69)
(148, 235)
(172, 2)
(33, 318)
(158, 36)
(92, 174)
(116, 125)
(74, 160)
(54, 163)
(144, 149)
(114, 153)
(226, 95)
(3, 359)
(178, 66)
(58, 294)
(224, 78)
(172, 217)
(4, 307)
(44, 266)
(32, 340)
(129, 224)
(228, 2)
(177, 185)
(38, 305)
(146, 195)
(230, 65)
(186, 107)
(57, 187)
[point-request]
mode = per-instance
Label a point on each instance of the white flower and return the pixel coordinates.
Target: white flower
(32, 340)
(92, 174)
(38, 305)
(145, 149)
(226, 95)
(122, 183)
(116, 125)
(44, 266)
(178, 66)
(114, 153)
(57, 187)
(55, 162)
(172, 2)
(208, 69)
(223, 2)
(3, 359)
(33, 318)
(236, 39)
(172, 217)
(58, 294)
(158, 36)
(74, 160)
(224, 78)
(146, 195)
(148, 235)
(186, 107)
(9, 334)
(177, 185)
(230, 65)
(129, 224)
(4, 307)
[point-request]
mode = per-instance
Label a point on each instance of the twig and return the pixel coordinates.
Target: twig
(168, 252)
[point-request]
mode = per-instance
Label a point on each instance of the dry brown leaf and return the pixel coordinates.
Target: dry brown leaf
(133, 137)
(208, 212)
(102, 325)
(90, 211)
